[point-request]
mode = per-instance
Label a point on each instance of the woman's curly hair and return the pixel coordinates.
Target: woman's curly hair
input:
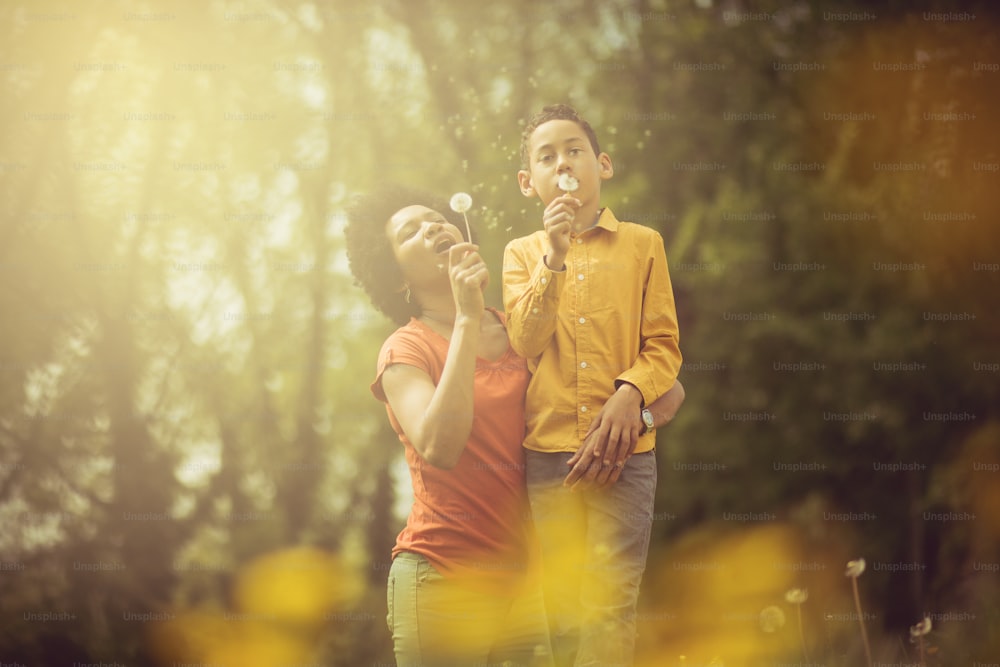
(369, 253)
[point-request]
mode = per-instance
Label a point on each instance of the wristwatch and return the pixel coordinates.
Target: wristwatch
(647, 421)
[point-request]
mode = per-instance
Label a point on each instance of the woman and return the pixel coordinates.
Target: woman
(463, 587)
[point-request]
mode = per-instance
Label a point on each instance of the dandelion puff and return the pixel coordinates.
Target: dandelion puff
(460, 203)
(796, 595)
(854, 570)
(917, 633)
(568, 182)
(771, 619)
(922, 628)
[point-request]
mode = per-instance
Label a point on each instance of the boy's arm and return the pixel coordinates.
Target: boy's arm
(616, 427)
(531, 299)
(655, 369)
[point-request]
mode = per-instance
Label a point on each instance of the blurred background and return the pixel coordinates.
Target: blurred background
(192, 468)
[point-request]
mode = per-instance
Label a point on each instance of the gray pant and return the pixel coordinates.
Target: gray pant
(594, 546)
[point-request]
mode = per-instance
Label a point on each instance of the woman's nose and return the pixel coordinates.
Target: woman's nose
(431, 228)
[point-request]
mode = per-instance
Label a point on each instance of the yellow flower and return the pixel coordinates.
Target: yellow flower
(855, 568)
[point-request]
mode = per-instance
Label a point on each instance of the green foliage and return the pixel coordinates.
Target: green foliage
(183, 381)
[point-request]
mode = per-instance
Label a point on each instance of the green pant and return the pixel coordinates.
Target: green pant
(437, 622)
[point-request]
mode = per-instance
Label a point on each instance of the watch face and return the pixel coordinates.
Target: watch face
(647, 418)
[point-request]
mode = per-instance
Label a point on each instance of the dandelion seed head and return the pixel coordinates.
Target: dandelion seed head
(460, 202)
(771, 619)
(921, 628)
(796, 595)
(568, 182)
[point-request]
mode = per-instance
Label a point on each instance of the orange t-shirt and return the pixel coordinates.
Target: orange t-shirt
(471, 520)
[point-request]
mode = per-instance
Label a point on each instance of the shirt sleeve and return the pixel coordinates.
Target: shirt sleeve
(531, 298)
(659, 362)
(402, 347)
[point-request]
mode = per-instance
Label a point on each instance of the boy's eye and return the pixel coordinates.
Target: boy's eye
(545, 158)
(575, 151)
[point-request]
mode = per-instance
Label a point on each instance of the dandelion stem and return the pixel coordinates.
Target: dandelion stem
(468, 230)
(920, 645)
(802, 635)
(861, 621)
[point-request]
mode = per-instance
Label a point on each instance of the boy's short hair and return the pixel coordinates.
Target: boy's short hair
(555, 112)
(370, 254)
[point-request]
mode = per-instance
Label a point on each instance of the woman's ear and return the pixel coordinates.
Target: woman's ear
(524, 181)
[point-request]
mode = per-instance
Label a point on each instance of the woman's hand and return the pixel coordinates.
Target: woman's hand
(469, 278)
(612, 438)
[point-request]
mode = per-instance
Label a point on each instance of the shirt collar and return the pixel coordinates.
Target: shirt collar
(608, 220)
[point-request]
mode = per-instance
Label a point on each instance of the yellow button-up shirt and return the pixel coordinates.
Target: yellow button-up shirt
(608, 318)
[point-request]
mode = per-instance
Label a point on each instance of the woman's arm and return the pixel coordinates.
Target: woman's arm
(437, 420)
(665, 408)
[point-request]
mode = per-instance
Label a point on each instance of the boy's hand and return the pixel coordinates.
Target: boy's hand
(558, 220)
(612, 438)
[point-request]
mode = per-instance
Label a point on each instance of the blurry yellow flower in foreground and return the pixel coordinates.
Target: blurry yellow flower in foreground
(281, 603)
(300, 585)
(711, 596)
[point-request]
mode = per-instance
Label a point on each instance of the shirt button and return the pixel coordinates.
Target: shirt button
(583, 408)
(583, 364)
(583, 320)
(579, 276)
(579, 240)
(545, 280)
(534, 311)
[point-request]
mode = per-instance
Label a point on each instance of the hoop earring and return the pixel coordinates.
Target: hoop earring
(407, 294)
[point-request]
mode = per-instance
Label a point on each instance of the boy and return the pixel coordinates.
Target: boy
(590, 305)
